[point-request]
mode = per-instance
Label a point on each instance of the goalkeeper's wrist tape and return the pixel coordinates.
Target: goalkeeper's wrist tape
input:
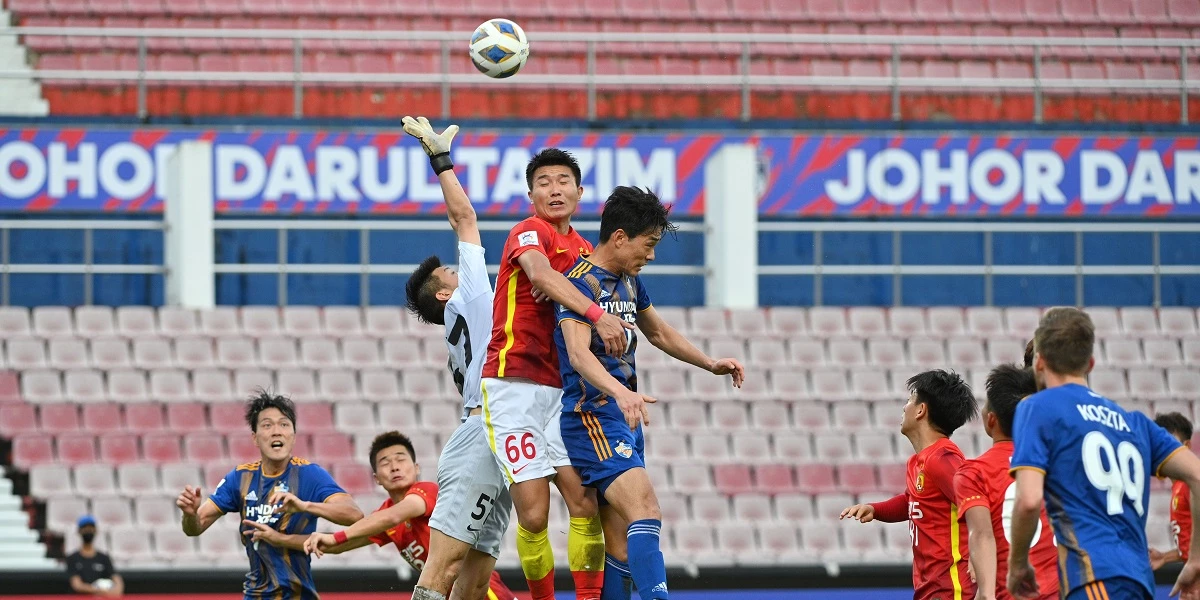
(441, 162)
(594, 312)
(339, 537)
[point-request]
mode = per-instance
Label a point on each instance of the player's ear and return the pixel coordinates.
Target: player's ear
(1091, 364)
(443, 295)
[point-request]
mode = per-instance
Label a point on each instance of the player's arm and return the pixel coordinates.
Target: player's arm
(550, 282)
(359, 534)
(892, 510)
(257, 532)
(982, 544)
(669, 340)
(118, 588)
(578, 338)
(1159, 558)
(198, 515)
(1183, 465)
(337, 508)
(437, 146)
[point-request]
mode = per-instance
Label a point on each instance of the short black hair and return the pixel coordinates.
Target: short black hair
(389, 439)
(262, 400)
(950, 400)
(421, 293)
(1006, 385)
(1176, 424)
(634, 211)
(1029, 353)
(552, 157)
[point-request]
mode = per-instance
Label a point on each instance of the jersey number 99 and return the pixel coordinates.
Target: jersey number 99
(1124, 475)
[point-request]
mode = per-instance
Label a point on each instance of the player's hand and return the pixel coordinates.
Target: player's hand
(260, 532)
(1157, 559)
(317, 543)
(971, 574)
(633, 406)
(729, 366)
(981, 594)
(611, 330)
(859, 512)
(433, 142)
(1188, 583)
(288, 502)
(189, 501)
(539, 296)
(1022, 581)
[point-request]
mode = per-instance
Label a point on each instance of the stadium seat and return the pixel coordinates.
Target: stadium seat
(907, 322)
(204, 447)
(815, 478)
(869, 383)
(175, 477)
(886, 352)
(94, 480)
(63, 512)
(194, 353)
(689, 478)
(1138, 322)
(830, 385)
(847, 352)
(1123, 353)
(277, 353)
(832, 448)
(1183, 383)
(14, 322)
(26, 353)
(354, 477)
(243, 450)
(155, 511)
(1162, 352)
(827, 321)
(792, 447)
(857, 478)
(140, 479)
(752, 508)
(384, 321)
(236, 352)
(260, 321)
(867, 322)
(817, 538)
(1022, 321)
(318, 353)
(893, 477)
(666, 446)
(788, 322)
(119, 448)
(83, 385)
(175, 321)
(171, 543)
(926, 353)
(400, 416)
(126, 386)
(135, 321)
(161, 448)
(807, 353)
(1147, 384)
(75, 448)
(748, 323)
(68, 353)
(32, 449)
(152, 353)
(360, 352)
(342, 321)
(39, 386)
(59, 418)
(46, 480)
(984, 321)
(186, 417)
(708, 322)
(172, 386)
(710, 508)
(780, 540)
(52, 322)
(1177, 321)
(94, 321)
(17, 419)
(751, 447)
(791, 383)
(873, 446)
(110, 353)
(1105, 320)
(333, 447)
(247, 382)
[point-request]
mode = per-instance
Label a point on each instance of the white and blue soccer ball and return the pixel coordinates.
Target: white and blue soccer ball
(499, 48)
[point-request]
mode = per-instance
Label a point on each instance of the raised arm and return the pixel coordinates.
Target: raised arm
(338, 508)
(359, 534)
(198, 515)
(437, 146)
(669, 340)
(555, 285)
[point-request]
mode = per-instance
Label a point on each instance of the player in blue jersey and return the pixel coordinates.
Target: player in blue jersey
(602, 411)
(279, 499)
(1091, 461)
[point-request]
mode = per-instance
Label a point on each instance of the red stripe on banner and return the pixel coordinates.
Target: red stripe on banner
(821, 206)
(942, 142)
(1110, 143)
(694, 154)
(111, 205)
(1065, 147)
(221, 206)
(624, 140)
(207, 136)
(42, 202)
(1074, 209)
(1014, 204)
(71, 137)
(1159, 210)
(317, 139)
(590, 140)
(553, 141)
(698, 204)
(137, 203)
(384, 141)
(28, 135)
(828, 153)
(148, 138)
(1003, 141)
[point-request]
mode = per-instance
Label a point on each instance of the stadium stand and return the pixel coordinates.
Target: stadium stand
(1062, 68)
(781, 463)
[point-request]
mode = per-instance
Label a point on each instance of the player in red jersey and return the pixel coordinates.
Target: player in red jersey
(403, 519)
(521, 385)
(985, 494)
(939, 402)
(1181, 498)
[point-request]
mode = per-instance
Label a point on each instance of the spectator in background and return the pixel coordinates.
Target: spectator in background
(91, 571)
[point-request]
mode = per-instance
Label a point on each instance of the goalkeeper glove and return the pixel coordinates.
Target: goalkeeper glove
(437, 145)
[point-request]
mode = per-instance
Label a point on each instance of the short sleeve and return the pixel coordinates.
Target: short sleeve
(380, 539)
(106, 562)
(473, 278)
(427, 491)
(970, 489)
(226, 496)
(530, 234)
(1033, 435)
(1162, 443)
(562, 313)
(74, 567)
(319, 484)
(643, 296)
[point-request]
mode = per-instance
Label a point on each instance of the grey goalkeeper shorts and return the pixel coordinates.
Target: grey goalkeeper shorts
(473, 505)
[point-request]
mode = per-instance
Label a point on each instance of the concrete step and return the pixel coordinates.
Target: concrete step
(6, 486)
(14, 535)
(9, 502)
(13, 518)
(21, 550)
(30, 563)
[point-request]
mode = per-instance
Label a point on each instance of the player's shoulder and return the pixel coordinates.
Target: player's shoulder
(250, 466)
(303, 463)
(424, 489)
(531, 224)
(582, 267)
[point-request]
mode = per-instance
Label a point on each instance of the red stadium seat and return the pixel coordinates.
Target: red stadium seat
(815, 478)
(32, 449)
(204, 447)
(771, 479)
(119, 448)
(16, 419)
(161, 448)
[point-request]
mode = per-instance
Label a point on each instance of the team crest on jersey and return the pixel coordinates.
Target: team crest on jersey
(920, 485)
(623, 449)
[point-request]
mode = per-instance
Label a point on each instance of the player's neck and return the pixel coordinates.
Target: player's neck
(603, 257)
(398, 495)
(1054, 380)
(924, 437)
(562, 226)
(999, 439)
(272, 468)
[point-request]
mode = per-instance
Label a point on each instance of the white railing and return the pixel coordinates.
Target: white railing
(898, 269)
(1175, 50)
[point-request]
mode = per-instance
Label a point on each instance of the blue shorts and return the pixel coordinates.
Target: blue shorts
(601, 446)
(1113, 588)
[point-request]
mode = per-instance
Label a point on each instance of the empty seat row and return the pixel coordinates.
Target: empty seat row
(1086, 12)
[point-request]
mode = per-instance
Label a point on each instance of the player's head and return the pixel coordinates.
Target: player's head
(1006, 386)
(428, 289)
(272, 419)
(87, 528)
(937, 399)
(1029, 354)
(632, 224)
(553, 177)
(394, 461)
(1177, 425)
(1063, 344)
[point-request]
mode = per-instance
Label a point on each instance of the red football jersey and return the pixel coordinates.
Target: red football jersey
(522, 330)
(412, 540)
(1181, 518)
(939, 534)
(985, 482)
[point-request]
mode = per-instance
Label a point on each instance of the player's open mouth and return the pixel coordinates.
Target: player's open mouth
(556, 203)
(277, 444)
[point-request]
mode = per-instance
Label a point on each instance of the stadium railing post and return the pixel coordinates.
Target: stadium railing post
(188, 216)
(731, 227)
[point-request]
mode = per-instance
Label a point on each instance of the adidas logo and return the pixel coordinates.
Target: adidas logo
(605, 294)
(252, 497)
(662, 587)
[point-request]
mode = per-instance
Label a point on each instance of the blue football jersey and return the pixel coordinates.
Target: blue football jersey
(623, 296)
(1098, 459)
(276, 572)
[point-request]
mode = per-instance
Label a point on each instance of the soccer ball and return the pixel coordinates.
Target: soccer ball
(103, 584)
(499, 48)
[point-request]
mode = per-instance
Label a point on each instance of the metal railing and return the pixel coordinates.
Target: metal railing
(365, 267)
(1175, 50)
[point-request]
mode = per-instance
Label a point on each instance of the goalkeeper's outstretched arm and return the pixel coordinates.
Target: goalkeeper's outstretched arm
(458, 205)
